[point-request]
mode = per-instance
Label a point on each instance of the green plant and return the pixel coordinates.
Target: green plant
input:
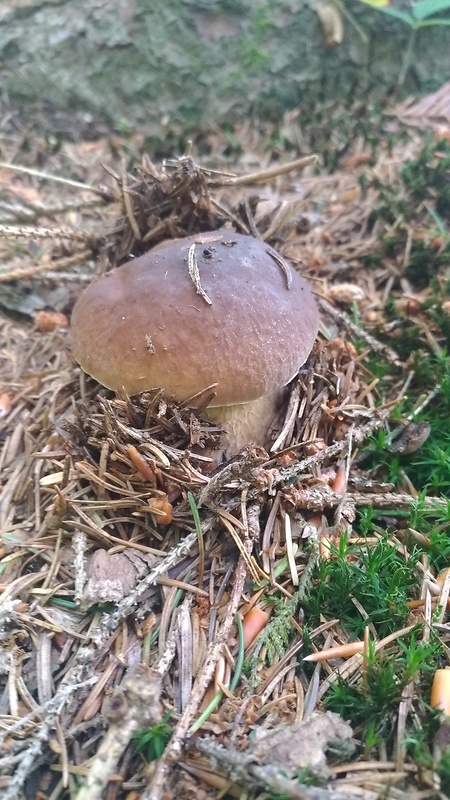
(427, 178)
(376, 578)
(276, 635)
(421, 14)
(152, 742)
(307, 777)
(233, 683)
(372, 705)
(443, 769)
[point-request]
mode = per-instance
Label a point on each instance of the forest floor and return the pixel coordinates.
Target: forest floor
(132, 570)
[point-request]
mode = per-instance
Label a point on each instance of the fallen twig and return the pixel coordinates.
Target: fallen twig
(29, 232)
(135, 706)
(36, 173)
(356, 434)
(270, 173)
(75, 678)
(172, 752)
(322, 497)
(374, 343)
(49, 712)
(241, 768)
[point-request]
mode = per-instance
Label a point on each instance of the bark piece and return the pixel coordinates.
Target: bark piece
(304, 744)
(110, 577)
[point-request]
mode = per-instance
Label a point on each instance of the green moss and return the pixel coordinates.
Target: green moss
(372, 706)
(376, 577)
(428, 176)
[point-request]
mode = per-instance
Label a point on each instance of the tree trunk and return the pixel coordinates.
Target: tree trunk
(180, 65)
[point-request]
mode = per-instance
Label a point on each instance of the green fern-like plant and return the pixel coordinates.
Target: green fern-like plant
(152, 742)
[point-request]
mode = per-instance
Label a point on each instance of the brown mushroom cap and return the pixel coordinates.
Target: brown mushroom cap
(144, 325)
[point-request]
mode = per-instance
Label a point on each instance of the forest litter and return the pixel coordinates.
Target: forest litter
(162, 615)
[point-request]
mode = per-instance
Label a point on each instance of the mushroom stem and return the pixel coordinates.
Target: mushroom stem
(246, 422)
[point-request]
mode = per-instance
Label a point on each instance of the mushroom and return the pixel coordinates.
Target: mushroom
(213, 308)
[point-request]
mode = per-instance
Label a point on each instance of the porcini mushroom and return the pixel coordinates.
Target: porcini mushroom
(213, 308)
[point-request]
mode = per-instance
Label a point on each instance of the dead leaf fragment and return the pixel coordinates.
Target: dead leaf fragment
(431, 111)
(46, 321)
(5, 404)
(110, 577)
(162, 510)
(332, 24)
(411, 438)
(304, 744)
(346, 293)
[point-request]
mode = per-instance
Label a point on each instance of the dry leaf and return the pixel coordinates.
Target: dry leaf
(46, 321)
(347, 293)
(432, 111)
(304, 744)
(110, 577)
